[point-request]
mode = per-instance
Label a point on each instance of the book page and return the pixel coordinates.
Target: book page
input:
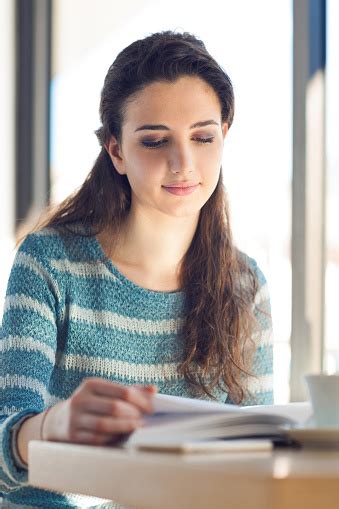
(164, 404)
(299, 412)
(176, 404)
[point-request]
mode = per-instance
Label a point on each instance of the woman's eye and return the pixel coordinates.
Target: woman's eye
(204, 140)
(153, 143)
(163, 141)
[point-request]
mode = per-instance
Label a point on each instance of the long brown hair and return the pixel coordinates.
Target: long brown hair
(218, 304)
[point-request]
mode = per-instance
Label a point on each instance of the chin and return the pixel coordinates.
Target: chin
(183, 211)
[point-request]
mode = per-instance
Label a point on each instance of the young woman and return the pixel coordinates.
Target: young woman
(133, 283)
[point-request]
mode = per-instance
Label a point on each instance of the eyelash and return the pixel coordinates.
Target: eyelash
(159, 143)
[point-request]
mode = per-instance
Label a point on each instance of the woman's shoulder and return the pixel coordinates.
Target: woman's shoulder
(56, 243)
(39, 243)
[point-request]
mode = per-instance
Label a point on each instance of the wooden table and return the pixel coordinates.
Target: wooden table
(282, 479)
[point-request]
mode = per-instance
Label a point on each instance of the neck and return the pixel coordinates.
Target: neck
(155, 243)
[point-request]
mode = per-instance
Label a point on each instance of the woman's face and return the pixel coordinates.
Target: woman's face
(171, 146)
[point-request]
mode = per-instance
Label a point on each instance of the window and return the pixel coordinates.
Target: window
(331, 346)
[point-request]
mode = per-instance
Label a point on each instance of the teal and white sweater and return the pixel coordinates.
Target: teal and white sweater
(70, 314)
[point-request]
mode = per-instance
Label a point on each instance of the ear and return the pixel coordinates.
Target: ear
(224, 128)
(114, 151)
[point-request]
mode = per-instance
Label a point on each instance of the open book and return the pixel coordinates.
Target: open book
(178, 420)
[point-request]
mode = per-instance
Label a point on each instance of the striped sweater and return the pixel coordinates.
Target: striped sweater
(70, 314)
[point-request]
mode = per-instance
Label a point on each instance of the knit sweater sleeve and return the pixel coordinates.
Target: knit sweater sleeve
(260, 384)
(28, 341)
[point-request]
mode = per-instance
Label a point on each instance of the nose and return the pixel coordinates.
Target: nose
(180, 160)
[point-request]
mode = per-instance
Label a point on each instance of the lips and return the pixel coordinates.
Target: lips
(181, 189)
(182, 184)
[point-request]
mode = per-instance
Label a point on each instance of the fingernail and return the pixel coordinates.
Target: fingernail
(151, 388)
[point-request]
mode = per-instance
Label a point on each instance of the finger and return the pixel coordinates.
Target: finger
(141, 399)
(153, 389)
(147, 391)
(147, 388)
(86, 437)
(112, 407)
(106, 425)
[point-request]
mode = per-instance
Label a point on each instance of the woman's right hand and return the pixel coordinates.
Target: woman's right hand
(98, 412)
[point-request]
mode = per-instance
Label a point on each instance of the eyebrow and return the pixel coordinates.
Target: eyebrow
(160, 127)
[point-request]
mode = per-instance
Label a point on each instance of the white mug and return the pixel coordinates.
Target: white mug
(324, 395)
